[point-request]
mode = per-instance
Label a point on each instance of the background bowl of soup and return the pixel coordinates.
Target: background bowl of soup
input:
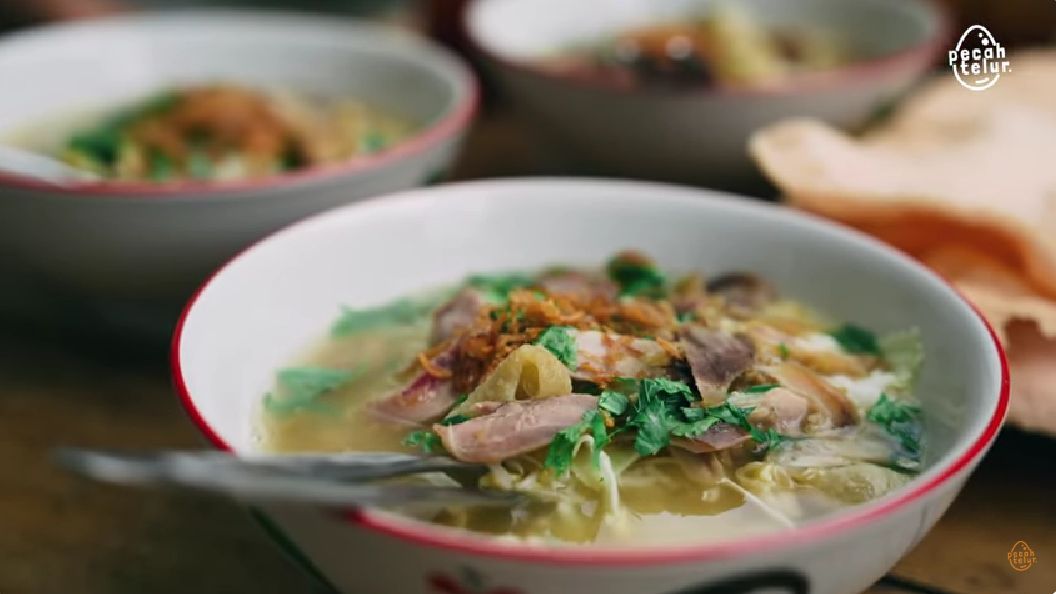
(274, 302)
(155, 222)
(672, 89)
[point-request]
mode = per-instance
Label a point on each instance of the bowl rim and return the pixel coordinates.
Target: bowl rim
(917, 55)
(455, 541)
(448, 124)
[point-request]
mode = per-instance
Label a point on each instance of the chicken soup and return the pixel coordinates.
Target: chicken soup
(644, 409)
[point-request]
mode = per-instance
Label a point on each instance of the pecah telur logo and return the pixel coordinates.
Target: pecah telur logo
(1022, 557)
(978, 60)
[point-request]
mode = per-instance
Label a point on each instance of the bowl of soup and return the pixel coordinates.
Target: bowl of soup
(705, 394)
(198, 132)
(672, 89)
(218, 133)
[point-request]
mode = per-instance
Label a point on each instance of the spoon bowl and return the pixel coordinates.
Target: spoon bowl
(28, 164)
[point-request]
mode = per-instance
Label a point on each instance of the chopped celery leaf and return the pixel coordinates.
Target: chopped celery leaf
(496, 287)
(560, 343)
(759, 389)
(614, 402)
(904, 352)
(454, 420)
(636, 275)
(856, 340)
(563, 447)
(900, 419)
(425, 440)
(299, 388)
(398, 312)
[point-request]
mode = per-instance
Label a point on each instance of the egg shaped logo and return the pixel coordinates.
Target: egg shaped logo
(1022, 557)
(978, 60)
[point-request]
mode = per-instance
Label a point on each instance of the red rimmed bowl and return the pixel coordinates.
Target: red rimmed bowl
(696, 134)
(275, 300)
(159, 240)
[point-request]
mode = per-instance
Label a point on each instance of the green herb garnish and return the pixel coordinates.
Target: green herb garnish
(372, 141)
(496, 287)
(636, 275)
(901, 420)
(161, 167)
(454, 420)
(102, 143)
(691, 429)
(730, 414)
(563, 447)
(98, 146)
(560, 343)
(661, 409)
(766, 438)
(300, 388)
(759, 389)
(614, 402)
(783, 352)
(399, 312)
(666, 408)
(856, 340)
(425, 440)
(655, 413)
(199, 165)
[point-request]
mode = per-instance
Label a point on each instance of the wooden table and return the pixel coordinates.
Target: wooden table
(74, 384)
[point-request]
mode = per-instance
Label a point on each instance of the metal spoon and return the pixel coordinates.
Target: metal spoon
(40, 167)
(328, 479)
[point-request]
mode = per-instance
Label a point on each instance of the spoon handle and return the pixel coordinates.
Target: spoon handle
(322, 479)
(350, 467)
(42, 167)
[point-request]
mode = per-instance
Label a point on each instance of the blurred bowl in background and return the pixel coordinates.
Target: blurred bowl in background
(697, 134)
(129, 240)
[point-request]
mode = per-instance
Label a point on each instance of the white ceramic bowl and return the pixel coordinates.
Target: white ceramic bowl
(141, 240)
(696, 135)
(275, 300)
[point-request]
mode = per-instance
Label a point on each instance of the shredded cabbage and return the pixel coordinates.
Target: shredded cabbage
(823, 452)
(904, 351)
(764, 478)
(769, 510)
(855, 483)
(601, 477)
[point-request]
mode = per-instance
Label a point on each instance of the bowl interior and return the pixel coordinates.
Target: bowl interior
(273, 302)
(532, 29)
(66, 70)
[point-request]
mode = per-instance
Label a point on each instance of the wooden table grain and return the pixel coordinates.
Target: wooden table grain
(68, 384)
